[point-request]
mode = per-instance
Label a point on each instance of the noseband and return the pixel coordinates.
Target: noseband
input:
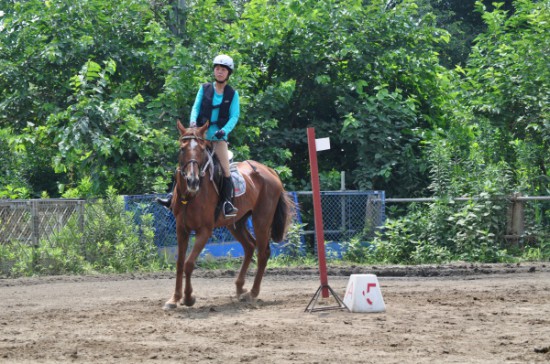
(182, 169)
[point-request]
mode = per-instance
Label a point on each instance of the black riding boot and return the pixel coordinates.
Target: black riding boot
(166, 202)
(228, 209)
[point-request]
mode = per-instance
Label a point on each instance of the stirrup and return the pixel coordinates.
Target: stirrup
(165, 202)
(229, 210)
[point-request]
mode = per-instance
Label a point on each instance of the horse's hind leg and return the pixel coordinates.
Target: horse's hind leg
(241, 233)
(262, 223)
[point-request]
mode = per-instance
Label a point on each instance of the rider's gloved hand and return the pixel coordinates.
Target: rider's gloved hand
(193, 124)
(220, 134)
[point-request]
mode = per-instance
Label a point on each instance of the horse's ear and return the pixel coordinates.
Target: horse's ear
(180, 127)
(202, 129)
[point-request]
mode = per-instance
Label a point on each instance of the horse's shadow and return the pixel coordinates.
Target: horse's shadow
(233, 307)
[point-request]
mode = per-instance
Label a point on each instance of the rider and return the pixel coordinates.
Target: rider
(218, 103)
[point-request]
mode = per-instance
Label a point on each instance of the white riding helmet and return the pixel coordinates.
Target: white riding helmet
(224, 60)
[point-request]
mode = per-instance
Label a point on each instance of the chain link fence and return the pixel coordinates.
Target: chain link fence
(346, 215)
(37, 225)
(62, 235)
(72, 229)
(26, 221)
(525, 219)
(27, 224)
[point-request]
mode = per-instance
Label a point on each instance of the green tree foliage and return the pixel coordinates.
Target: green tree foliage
(362, 68)
(508, 79)
(418, 97)
(495, 143)
(102, 137)
(45, 43)
(73, 115)
(497, 109)
(96, 87)
(463, 22)
(12, 161)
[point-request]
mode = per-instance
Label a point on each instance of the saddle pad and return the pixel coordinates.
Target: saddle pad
(239, 184)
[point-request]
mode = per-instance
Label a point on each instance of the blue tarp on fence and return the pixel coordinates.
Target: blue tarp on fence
(221, 244)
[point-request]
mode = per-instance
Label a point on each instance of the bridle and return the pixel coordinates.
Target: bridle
(193, 182)
(182, 169)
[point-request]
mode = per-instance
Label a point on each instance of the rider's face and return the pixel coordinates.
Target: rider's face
(221, 73)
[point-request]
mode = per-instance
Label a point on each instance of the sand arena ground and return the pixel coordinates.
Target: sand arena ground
(445, 314)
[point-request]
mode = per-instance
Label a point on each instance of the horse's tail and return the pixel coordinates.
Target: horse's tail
(284, 215)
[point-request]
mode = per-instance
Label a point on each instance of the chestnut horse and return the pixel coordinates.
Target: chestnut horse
(194, 203)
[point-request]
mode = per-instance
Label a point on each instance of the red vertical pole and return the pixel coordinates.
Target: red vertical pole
(317, 211)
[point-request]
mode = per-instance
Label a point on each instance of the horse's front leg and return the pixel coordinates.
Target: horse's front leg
(183, 240)
(201, 238)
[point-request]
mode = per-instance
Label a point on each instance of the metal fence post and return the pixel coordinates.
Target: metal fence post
(35, 223)
(343, 199)
(515, 225)
(80, 210)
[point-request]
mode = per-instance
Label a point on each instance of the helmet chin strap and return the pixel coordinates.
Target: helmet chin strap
(224, 81)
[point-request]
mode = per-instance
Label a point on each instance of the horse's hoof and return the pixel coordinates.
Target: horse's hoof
(241, 292)
(189, 302)
(247, 297)
(168, 306)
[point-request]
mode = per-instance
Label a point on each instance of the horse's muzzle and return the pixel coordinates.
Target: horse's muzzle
(190, 171)
(193, 183)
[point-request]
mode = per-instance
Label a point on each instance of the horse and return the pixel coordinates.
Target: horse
(195, 207)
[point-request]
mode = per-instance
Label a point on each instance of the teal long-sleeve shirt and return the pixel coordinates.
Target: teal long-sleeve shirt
(234, 113)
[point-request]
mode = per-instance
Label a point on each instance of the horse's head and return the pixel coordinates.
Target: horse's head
(192, 155)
